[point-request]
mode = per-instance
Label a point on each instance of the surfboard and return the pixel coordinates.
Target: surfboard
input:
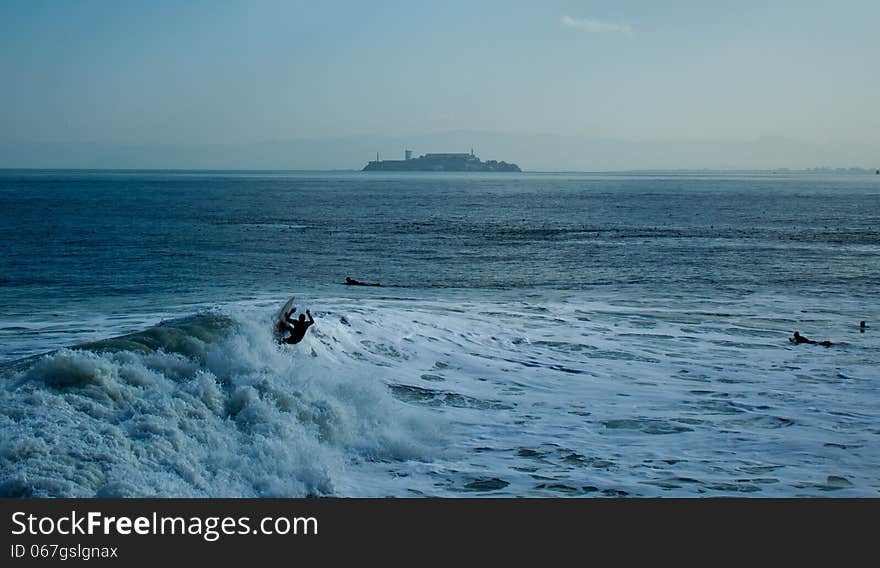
(279, 317)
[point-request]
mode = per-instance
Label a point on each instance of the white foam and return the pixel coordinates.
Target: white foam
(542, 396)
(254, 420)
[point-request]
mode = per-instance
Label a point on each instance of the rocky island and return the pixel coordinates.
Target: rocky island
(439, 163)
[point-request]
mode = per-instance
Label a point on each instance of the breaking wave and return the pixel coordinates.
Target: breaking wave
(206, 406)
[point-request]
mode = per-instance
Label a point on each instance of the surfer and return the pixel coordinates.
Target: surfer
(798, 338)
(349, 281)
(296, 327)
(862, 326)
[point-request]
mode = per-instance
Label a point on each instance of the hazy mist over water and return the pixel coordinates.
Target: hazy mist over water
(531, 152)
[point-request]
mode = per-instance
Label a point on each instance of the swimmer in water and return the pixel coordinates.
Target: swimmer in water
(798, 338)
(349, 281)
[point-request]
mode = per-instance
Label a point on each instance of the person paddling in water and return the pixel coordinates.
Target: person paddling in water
(296, 327)
(798, 338)
(349, 281)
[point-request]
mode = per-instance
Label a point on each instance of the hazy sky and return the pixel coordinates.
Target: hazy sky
(212, 72)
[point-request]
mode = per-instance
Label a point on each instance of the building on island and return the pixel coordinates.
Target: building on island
(440, 162)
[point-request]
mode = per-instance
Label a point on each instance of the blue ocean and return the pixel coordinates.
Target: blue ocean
(534, 335)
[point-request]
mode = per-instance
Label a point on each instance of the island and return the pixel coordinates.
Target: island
(439, 163)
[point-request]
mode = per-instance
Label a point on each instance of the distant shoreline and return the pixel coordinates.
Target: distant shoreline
(854, 171)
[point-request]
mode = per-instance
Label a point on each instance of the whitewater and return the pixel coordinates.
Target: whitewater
(396, 397)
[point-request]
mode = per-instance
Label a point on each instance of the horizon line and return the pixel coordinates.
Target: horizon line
(353, 170)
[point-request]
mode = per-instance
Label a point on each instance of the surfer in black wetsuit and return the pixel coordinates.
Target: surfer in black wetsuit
(296, 327)
(798, 338)
(349, 281)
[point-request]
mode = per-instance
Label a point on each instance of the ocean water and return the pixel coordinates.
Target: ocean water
(536, 335)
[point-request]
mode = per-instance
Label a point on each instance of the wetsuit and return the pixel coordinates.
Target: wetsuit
(797, 338)
(353, 282)
(297, 330)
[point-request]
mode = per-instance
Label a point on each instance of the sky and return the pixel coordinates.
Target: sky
(559, 84)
